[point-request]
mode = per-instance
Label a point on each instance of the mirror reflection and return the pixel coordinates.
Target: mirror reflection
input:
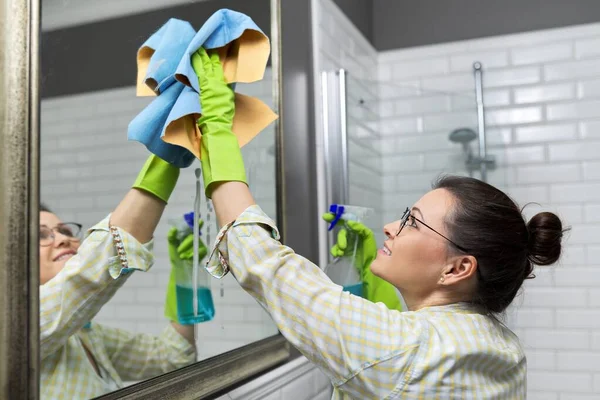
(113, 311)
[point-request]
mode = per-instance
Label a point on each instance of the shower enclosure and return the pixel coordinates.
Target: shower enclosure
(385, 143)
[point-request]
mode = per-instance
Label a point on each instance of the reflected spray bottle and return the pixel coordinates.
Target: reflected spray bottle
(194, 298)
(343, 270)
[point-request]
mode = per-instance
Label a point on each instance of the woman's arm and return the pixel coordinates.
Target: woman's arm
(140, 211)
(186, 332)
(138, 214)
(230, 199)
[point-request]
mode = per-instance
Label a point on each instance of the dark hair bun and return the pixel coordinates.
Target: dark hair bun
(545, 235)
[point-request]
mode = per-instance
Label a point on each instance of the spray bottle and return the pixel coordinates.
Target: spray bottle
(194, 298)
(342, 270)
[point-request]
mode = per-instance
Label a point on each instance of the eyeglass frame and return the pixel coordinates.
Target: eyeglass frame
(407, 214)
(75, 237)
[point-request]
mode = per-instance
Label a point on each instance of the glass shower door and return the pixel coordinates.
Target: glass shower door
(386, 143)
(398, 139)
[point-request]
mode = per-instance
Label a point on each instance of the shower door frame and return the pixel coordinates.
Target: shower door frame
(334, 97)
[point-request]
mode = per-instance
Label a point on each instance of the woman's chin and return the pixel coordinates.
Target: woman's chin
(375, 267)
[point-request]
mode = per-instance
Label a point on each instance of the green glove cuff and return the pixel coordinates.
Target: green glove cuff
(157, 177)
(221, 157)
(171, 298)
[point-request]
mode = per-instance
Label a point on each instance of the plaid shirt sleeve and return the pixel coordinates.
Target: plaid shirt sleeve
(138, 356)
(87, 282)
(363, 347)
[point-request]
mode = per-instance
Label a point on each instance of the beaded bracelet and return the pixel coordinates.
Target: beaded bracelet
(119, 245)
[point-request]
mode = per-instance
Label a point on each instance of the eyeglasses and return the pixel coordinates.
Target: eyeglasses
(407, 215)
(71, 230)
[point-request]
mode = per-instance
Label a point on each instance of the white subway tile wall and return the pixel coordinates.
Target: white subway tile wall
(545, 119)
(341, 45)
(87, 166)
(542, 97)
(296, 380)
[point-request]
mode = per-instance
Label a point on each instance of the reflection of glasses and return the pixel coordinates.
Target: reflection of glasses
(70, 230)
(407, 215)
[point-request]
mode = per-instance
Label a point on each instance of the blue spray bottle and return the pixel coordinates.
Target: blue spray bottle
(194, 298)
(342, 270)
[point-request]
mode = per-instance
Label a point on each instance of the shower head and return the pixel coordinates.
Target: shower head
(462, 135)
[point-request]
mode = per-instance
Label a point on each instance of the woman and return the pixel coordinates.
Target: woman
(459, 256)
(81, 360)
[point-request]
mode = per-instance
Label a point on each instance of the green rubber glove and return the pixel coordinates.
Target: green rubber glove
(157, 177)
(220, 153)
(180, 253)
(375, 289)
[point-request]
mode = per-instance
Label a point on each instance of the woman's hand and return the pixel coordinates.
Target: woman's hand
(366, 250)
(220, 153)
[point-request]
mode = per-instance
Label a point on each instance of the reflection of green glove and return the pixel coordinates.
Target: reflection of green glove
(375, 289)
(157, 177)
(220, 153)
(179, 251)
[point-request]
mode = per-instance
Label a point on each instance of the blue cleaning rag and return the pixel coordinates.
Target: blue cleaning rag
(167, 126)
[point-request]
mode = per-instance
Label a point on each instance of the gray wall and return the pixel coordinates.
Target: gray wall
(392, 24)
(388, 24)
(360, 12)
(118, 41)
(404, 23)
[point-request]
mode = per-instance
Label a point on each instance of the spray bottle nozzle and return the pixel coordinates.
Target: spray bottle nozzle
(338, 210)
(348, 213)
(189, 220)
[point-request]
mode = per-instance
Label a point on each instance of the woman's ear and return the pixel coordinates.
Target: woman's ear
(461, 268)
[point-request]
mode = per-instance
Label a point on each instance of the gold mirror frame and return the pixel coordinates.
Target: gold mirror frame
(19, 226)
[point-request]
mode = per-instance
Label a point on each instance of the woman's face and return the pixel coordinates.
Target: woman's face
(414, 261)
(55, 255)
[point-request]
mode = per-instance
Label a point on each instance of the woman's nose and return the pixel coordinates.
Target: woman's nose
(61, 240)
(389, 230)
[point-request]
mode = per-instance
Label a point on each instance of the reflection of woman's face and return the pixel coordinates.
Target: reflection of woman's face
(57, 252)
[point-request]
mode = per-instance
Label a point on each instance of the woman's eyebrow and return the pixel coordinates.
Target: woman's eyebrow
(417, 209)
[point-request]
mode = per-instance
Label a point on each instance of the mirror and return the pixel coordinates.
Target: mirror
(87, 165)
